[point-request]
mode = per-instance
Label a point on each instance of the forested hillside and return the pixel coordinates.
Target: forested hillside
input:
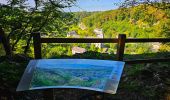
(140, 21)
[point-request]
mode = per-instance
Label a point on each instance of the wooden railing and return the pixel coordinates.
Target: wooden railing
(121, 41)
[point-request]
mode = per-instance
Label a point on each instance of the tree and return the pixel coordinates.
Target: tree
(161, 4)
(5, 43)
(18, 20)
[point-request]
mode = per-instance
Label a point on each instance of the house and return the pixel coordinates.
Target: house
(99, 34)
(73, 34)
(156, 46)
(78, 50)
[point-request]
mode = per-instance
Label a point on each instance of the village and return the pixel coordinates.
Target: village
(98, 33)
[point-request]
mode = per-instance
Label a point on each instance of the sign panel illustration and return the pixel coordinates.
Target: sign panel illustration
(97, 75)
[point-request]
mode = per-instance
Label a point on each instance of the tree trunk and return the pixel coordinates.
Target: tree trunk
(6, 43)
(28, 44)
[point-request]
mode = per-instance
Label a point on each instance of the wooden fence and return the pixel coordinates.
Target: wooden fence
(121, 41)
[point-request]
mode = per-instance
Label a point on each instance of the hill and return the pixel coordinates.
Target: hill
(140, 21)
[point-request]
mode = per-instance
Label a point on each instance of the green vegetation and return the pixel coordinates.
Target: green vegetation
(144, 81)
(91, 77)
(142, 21)
(139, 81)
(18, 20)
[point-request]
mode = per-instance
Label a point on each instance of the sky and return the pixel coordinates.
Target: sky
(96, 5)
(87, 5)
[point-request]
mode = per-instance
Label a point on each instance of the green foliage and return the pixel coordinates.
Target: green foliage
(93, 48)
(139, 21)
(11, 73)
(2, 52)
(69, 53)
(142, 21)
(19, 20)
(165, 48)
(56, 51)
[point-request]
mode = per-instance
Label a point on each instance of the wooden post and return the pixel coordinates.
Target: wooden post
(37, 45)
(48, 94)
(121, 46)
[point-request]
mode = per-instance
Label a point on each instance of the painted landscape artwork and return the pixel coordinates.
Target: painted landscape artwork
(97, 75)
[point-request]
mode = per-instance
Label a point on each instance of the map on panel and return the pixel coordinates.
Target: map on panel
(97, 75)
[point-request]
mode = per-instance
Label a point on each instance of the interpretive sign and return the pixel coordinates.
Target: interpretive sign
(97, 75)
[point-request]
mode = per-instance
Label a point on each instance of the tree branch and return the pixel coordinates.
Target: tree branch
(21, 34)
(5, 43)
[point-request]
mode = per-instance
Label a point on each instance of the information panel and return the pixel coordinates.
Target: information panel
(97, 75)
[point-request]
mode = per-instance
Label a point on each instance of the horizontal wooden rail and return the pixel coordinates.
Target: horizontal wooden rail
(147, 40)
(100, 40)
(121, 41)
(79, 40)
(147, 60)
